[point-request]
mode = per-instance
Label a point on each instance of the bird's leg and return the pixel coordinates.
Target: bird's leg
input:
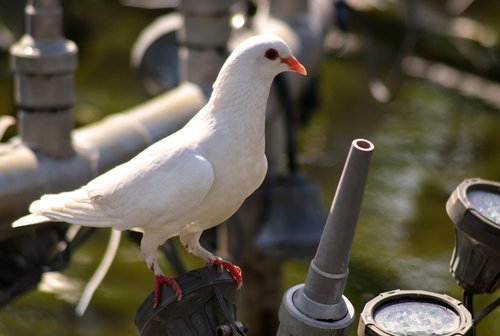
(191, 242)
(149, 245)
(231, 268)
(160, 279)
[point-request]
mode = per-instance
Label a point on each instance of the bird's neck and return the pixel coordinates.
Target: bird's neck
(240, 103)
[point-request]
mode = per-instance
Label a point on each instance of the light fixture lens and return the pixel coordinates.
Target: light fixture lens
(487, 203)
(416, 318)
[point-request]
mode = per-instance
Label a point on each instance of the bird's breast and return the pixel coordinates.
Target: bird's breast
(237, 174)
(234, 144)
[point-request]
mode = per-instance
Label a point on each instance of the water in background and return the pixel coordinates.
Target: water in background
(426, 142)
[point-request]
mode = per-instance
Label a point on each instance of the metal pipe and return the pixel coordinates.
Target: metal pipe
(318, 307)
(25, 175)
(303, 26)
(203, 39)
(43, 62)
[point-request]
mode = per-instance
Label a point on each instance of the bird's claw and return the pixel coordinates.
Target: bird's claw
(233, 269)
(159, 281)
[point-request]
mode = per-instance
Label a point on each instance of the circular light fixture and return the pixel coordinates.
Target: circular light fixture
(414, 313)
(474, 207)
(487, 203)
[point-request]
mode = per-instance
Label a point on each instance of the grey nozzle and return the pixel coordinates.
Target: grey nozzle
(321, 298)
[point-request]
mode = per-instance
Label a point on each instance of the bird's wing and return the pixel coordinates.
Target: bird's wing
(154, 186)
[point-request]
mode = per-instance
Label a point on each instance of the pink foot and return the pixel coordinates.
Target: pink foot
(233, 269)
(159, 281)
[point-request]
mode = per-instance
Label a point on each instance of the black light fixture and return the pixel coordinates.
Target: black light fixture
(208, 307)
(414, 312)
(474, 208)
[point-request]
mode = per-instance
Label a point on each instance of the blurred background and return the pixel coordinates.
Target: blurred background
(422, 85)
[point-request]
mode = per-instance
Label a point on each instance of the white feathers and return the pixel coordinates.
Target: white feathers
(30, 220)
(67, 207)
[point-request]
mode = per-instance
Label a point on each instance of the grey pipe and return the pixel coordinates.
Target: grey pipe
(318, 307)
(203, 39)
(25, 175)
(43, 62)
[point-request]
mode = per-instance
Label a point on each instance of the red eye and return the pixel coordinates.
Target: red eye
(271, 54)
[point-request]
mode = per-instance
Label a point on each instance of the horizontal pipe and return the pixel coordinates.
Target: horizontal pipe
(25, 175)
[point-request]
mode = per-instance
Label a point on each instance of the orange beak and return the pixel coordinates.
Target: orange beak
(294, 65)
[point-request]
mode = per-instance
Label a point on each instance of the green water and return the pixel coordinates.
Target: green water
(426, 142)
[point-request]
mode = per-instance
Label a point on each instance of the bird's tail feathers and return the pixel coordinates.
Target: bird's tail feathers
(70, 207)
(30, 220)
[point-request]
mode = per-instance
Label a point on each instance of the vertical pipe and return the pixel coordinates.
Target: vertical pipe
(43, 62)
(203, 40)
(288, 10)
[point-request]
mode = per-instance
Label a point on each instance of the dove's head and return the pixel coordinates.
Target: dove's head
(269, 54)
(264, 56)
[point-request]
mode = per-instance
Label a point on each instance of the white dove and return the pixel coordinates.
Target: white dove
(193, 179)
